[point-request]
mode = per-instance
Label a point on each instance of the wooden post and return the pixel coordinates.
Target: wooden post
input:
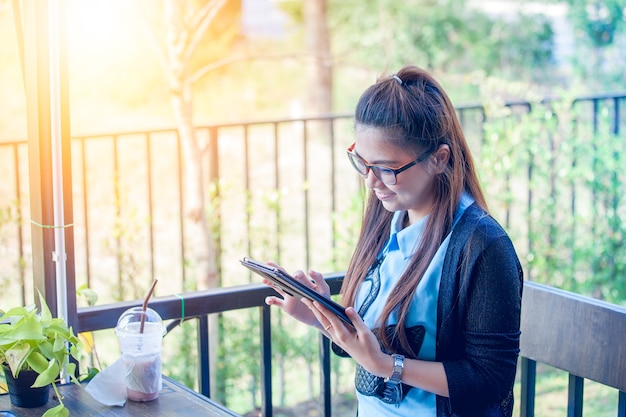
(43, 114)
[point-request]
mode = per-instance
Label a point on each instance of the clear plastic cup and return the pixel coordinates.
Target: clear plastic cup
(141, 352)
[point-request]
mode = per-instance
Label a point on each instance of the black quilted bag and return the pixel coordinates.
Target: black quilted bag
(374, 386)
(365, 382)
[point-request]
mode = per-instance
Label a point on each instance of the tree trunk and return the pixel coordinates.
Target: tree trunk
(319, 68)
(199, 238)
(319, 86)
(197, 234)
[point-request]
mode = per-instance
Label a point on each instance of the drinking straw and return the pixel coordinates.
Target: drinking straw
(145, 306)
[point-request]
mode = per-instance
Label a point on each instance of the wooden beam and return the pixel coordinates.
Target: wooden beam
(578, 334)
(40, 111)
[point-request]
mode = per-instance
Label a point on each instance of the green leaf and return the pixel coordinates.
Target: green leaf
(15, 312)
(16, 355)
(45, 314)
(88, 293)
(71, 372)
(91, 372)
(38, 362)
(26, 329)
(46, 349)
(59, 344)
(58, 411)
(47, 376)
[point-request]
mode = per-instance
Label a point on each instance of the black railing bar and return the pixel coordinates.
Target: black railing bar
(333, 193)
(118, 215)
(278, 212)
(575, 391)
(529, 207)
(305, 177)
(325, 382)
(280, 121)
(546, 100)
(197, 303)
(214, 180)
(19, 225)
(616, 117)
(85, 201)
(175, 323)
(181, 210)
(204, 374)
(549, 99)
(528, 383)
(461, 106)
(266, 363)
(148, 140)
(208, 126)
(247, 188)
(621, 404)
(599, 96)
(461, 115)
(596, 110)
(465, 106)
(483, 118)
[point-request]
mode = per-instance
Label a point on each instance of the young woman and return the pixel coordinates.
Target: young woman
(434, 286)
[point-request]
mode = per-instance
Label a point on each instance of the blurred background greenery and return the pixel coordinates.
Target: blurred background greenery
(255, 55)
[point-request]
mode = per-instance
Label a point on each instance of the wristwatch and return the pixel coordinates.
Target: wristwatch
(398, 367)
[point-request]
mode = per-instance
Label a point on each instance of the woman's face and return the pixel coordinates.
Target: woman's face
(414, 188)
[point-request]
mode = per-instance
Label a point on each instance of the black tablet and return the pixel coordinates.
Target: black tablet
(293, 287)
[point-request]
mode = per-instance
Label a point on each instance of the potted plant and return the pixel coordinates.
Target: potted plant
(34, 344)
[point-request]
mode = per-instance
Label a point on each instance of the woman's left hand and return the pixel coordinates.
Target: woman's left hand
(362, 345)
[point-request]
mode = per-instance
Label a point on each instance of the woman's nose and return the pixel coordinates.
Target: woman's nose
(371, 180)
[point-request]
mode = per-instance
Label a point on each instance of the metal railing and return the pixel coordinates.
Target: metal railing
(579, 335)
(139, 180)
(134, 180)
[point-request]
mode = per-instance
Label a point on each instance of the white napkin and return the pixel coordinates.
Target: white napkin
(108, 386)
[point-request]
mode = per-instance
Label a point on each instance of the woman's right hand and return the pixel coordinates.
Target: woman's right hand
(293, 305)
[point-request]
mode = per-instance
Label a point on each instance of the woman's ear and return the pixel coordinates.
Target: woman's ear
(440, 158)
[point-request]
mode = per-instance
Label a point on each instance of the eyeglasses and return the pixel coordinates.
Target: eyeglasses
(384, 173)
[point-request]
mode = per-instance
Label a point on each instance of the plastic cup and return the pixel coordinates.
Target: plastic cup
(141, 352)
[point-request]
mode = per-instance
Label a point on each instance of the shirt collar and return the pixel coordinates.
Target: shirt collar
(407, 240)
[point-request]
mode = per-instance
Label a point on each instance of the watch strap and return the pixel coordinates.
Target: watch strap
(398, 367)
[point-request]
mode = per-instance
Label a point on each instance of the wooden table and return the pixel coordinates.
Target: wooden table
(174, 400)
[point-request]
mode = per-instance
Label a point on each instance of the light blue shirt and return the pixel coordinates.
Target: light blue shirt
(398, 251)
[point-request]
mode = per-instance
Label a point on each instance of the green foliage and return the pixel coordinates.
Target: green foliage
(127, 236)
(605, 181)
(559, 184)
(598, 20)
(181, 352)
(31, 339)
(10, 219)
(551, 395)
(347, 225)
(239, 366)
(447, 36)
(600, 35)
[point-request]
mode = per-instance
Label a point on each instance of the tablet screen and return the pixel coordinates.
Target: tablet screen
(294, 287)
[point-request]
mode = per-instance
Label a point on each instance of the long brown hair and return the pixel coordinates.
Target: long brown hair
(418, 116)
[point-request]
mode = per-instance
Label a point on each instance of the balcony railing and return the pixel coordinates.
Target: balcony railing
(132, 170)
(579, 335)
